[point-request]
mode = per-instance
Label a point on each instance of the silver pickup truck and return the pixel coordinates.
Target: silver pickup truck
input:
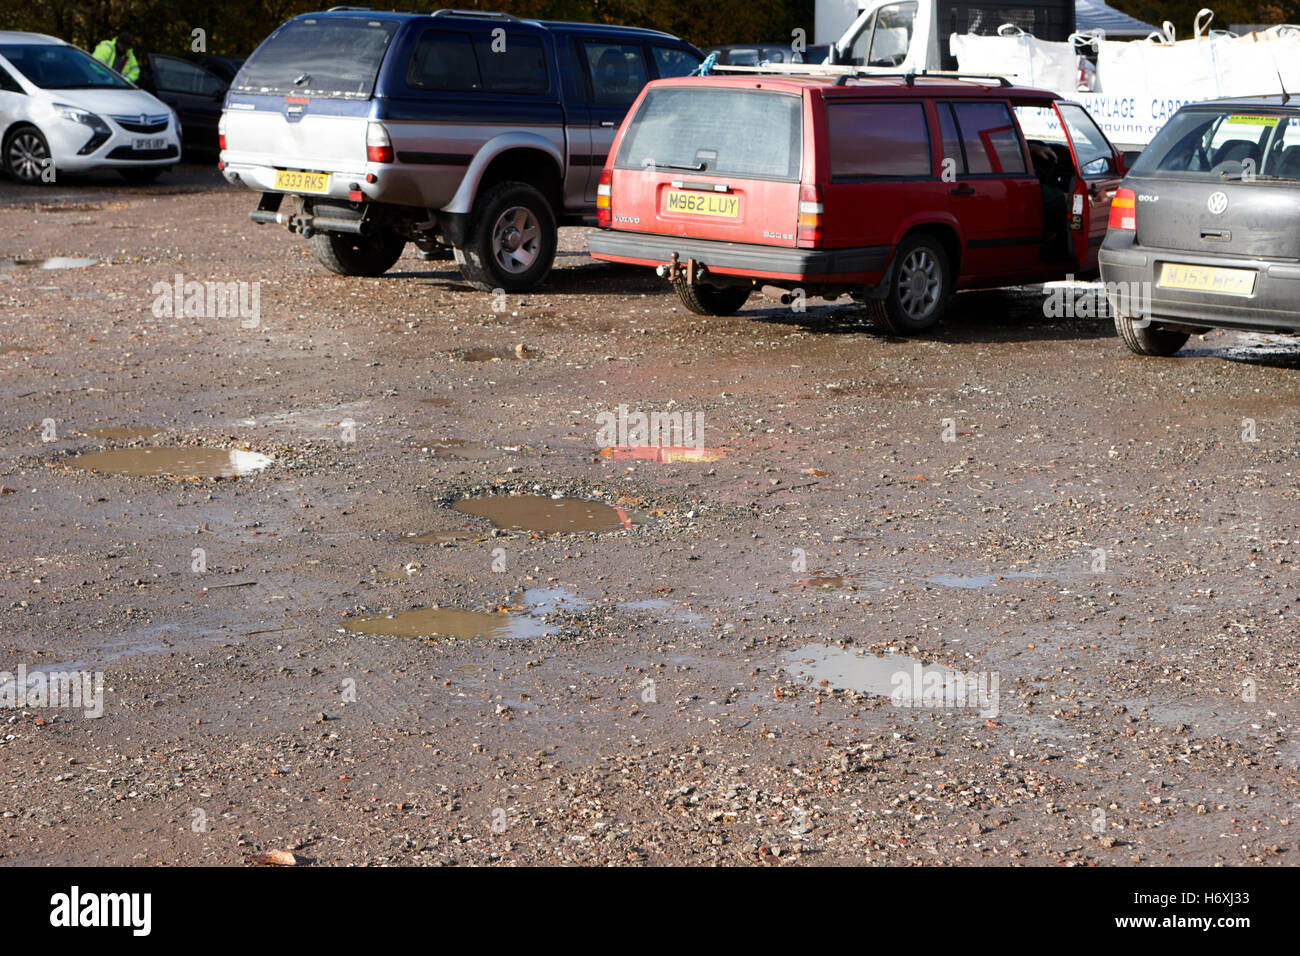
(477, 132)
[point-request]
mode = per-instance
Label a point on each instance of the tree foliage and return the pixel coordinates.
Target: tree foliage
(235, 27)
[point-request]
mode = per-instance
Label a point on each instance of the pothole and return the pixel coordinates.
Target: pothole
(495, 353)
(171, 462)
(538, 603)
(545, 515)
(468, 450)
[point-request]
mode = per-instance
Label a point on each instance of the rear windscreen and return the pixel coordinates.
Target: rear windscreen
(752, 133)
(335, 56)
(1219, 143)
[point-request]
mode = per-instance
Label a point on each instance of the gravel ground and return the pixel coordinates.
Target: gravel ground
(1013, 496)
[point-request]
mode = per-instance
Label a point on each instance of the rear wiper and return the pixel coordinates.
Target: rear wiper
(698, 168)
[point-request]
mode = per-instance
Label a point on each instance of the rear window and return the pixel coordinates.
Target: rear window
(989, 142)
(878, 139)
(1218, 143)
(753, 133)
(334, 57)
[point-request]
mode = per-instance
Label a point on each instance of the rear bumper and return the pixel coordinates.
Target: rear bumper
(858, 265)
(1273, 305)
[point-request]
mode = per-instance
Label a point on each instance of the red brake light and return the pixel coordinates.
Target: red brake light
(810, 216)
(603, 196)
(221, 141)
(1123, 210)
(379, 148)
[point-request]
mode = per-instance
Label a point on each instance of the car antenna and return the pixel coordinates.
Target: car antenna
(1282, 83)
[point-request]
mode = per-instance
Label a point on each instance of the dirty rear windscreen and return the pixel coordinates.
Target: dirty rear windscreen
(1225, 144)
(333, 57)
(725, 132)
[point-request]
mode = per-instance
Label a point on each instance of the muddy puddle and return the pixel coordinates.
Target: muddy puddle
(836, 581)
(439, 402)
(545, 515)
(172, 462)
(525, 624)
(124, 433)
(54, 262)
(666, 610)
(12, 349)
(661, 454)
(495, 353)
(906, 681)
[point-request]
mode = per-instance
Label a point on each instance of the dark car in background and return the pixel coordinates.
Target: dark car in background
(757, 54)
(365, 130)
(195, 89)
(1205, 228)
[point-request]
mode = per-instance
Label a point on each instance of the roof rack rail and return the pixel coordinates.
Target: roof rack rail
(845, 72)
(486, 14)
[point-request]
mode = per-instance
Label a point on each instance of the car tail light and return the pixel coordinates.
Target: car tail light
(810, 216)
(379, 148)
(221, 132)
(603, 196)
(1123, 210)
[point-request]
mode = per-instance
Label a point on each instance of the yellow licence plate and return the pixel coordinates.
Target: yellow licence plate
(683, 202)
(294, 181)
(1207, 279)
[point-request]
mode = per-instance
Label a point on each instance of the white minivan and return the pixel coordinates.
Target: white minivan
(61, 110)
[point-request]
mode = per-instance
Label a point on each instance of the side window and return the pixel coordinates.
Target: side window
(512, 64)
(951, 140)
(177, 76)
(443, 61)
(1090, 145)
(617, 72)
(671, 61)
(1284, 157)
(988, 137)
(878, 139)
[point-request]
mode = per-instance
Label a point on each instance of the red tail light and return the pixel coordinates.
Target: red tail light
(810, 217)
(603, 197)
(379, 148)
(1123, 210)
(221, 141)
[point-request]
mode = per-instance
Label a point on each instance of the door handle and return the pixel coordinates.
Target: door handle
(963, 190)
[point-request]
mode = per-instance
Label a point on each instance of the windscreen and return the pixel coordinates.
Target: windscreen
(753, 133)
(331, 57)
(1225, 142)
(54, 67)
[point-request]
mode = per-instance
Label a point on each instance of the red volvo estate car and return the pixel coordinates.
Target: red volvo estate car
(896, 190)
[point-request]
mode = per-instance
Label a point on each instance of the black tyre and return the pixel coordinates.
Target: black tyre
(1146, 339)
(26, 155)
(141, 175)
(711, 300)
(919, 287)
(511, 240)
(357, 255)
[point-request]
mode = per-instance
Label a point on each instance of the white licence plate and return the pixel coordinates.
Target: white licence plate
(154, 142)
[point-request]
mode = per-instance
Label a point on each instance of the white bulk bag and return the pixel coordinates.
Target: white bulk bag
(1013, 53)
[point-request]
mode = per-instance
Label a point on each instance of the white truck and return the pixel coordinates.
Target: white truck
(1136, 84)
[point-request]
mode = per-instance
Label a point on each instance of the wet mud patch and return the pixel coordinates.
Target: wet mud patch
(900, 680)
(544, 514)
(178, 462)
(466, 450)
(52, 263)
(662, 454)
